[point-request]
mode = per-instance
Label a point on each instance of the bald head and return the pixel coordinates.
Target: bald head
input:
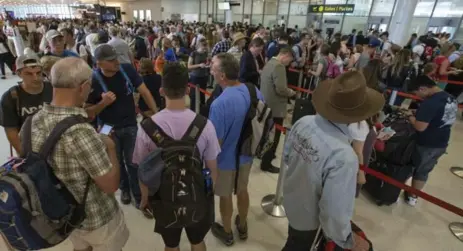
(70, 73)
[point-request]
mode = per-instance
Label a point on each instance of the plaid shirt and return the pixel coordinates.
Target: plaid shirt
(78, 155)
(221, 47)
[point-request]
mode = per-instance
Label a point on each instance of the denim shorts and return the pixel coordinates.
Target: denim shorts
(424, 160)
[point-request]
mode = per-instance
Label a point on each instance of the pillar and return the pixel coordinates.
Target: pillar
(401, 21)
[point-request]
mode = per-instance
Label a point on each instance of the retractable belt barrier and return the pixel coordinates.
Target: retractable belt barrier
(432, 199)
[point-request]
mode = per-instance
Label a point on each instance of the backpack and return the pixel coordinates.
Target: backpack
(174, 176)
(332, 70)
(258, 128)
(37, 210)
(89, 55)
(323, 244)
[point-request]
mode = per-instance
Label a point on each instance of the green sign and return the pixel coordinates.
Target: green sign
(332, 8)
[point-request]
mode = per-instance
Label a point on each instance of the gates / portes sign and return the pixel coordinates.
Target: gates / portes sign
(332, 8)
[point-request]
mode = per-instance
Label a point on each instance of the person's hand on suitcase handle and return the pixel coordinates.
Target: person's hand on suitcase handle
(360, 244)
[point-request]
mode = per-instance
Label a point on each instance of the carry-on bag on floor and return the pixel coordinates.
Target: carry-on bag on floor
(303, 106)
(322, 244)
(382, 192)
(394, 161)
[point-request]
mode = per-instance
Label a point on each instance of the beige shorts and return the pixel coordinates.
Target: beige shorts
(110, 237)
(225, 185)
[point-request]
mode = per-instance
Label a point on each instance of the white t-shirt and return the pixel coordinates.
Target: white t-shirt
(91, 40)
(359, 131)
(387, 46)
(418, 50)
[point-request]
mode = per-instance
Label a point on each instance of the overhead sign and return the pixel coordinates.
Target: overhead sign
(332, 8)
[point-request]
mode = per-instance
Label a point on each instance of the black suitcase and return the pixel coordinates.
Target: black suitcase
(303, 106)
(382, 192)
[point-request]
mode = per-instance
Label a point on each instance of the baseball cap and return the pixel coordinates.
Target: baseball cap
(27, 60)
(374, 42)
(105, 52)
(52, 34)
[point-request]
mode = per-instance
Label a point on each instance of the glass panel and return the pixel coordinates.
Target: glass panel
(424, 8)
(418, 25)
(362, 7)
(459, 35)
(270, 20)
(148, 15)
(141, 14)
(256, 19)
(382, 8)
(271, 7)
(203, 8)
(283, 7)
(247, 6)
(448, 8)
(299, 8)
(257, 7)
(135, 14)
(352, 22)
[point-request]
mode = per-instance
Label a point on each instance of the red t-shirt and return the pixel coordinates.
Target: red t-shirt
(439, 60)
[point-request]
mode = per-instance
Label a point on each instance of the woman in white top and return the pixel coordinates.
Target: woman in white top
(336, 55)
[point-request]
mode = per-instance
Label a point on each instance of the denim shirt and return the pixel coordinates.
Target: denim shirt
(319, 186)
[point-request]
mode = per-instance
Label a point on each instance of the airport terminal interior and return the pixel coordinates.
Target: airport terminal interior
(398, 227)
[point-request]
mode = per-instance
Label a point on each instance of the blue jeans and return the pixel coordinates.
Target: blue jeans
(124, 138)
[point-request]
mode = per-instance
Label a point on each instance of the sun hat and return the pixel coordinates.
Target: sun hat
(347, 99)
(237, 37)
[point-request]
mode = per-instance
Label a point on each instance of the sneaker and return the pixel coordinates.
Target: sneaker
(147, 212)
(411, 200)
(219, 233)
(3, 77)
(126, 198)
(270, 168)
(242, 230)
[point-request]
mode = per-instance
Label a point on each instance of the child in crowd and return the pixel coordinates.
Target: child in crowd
(153, 82)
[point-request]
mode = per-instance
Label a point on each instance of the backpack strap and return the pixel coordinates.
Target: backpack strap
(26, 137)
(195, 129)
(254, 100)
(156, 134)
(128, 83)
(57, 131)
(14, 93)
(100, 80)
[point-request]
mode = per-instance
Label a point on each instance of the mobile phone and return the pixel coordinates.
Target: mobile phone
(106, 129)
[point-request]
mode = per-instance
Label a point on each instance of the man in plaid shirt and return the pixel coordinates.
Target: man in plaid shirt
(80, 154)
(224, 45)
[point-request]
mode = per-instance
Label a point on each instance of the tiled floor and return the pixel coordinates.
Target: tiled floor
(395, 228)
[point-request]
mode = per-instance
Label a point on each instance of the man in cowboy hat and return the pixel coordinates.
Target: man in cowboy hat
(319, 187)
(239, 41)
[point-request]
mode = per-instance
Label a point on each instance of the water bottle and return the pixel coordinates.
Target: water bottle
(207, 180)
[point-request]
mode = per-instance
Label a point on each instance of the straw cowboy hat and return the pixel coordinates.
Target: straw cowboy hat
(347, 99)
(237, 37)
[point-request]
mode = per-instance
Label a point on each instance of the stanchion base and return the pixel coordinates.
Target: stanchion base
(457, 229)
(457, 170)
(268, 205)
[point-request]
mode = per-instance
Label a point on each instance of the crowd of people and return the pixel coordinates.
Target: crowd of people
(108, 72)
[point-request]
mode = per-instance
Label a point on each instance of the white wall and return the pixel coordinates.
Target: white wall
(188, 9)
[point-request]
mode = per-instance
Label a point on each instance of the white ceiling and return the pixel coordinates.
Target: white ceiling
(40, 2)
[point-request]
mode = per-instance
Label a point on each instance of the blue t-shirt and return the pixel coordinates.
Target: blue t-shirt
(227, 114)
(153, 83)
(440, 111)
(121, 113)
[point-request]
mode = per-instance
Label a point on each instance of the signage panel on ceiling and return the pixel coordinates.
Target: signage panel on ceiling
(331, 8)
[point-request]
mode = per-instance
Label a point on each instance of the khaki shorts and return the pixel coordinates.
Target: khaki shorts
(110, 237)
(226, 180)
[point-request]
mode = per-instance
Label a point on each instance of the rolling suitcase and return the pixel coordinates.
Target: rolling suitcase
(303, 105)
(394, 161)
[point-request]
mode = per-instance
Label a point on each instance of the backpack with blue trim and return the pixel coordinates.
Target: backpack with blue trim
(37, 211)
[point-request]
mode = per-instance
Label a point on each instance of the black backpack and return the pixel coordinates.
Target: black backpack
(181, 199)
